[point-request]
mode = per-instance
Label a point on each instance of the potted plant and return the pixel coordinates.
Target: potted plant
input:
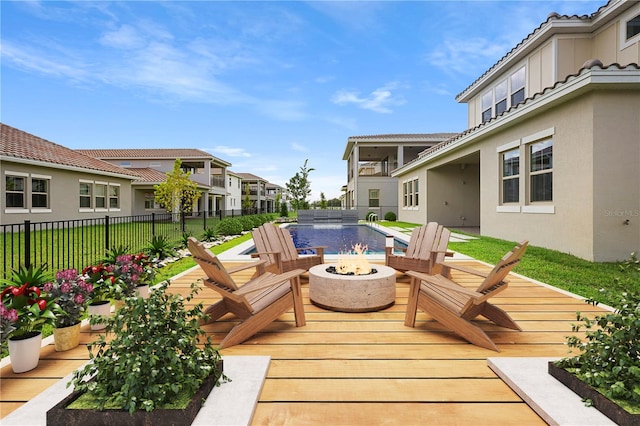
(154, 353)
(72, 293)
(25, 309)
(104, 289)
(606, 372)
(132, 272)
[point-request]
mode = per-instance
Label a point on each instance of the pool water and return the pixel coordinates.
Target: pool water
(339, 238)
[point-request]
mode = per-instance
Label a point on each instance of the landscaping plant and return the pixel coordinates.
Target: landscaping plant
(149, 355)
(609, 358)
(72, 293)
(160, 247)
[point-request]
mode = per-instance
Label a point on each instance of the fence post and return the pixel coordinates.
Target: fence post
(27, 243)
(153, 224)
(183, 224)
(106, 233)
(204, 222)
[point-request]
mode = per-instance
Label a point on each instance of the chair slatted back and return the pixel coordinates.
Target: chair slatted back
(211, 265)
(263, 246)
(503, 267)
(441, 244)
(271, 238)
(417, 249)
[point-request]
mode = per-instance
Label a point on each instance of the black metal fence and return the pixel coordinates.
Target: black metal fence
(77, 243)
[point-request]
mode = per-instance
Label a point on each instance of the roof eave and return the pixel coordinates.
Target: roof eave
(65, 167)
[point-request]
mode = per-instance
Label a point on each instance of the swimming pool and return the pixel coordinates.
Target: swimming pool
(338, 238)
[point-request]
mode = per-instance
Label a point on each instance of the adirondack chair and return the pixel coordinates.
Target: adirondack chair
(257, 303)
(426, 250)
(454, 306)
(275, 246)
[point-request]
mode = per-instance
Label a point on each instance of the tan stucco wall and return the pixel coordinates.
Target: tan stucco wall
(453, 195)
(616, 174)
(64, 195)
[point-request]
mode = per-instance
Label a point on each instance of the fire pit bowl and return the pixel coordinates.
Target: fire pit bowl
(352, 293)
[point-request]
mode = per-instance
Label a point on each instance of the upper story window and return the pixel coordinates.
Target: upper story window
(504, 95)
(511, 176)
(517, 81)
(15, 191)
(501, 97)
(633, 27)
(487, 100)
(410, 193)
(125, 164)
(541, 171)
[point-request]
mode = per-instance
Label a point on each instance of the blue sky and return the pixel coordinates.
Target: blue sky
(263, 85)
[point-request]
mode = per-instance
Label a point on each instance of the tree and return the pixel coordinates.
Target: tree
(299, 187)
(178, 193)
(246, 201)
(323, 201)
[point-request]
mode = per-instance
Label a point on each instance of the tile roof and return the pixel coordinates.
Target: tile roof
(146, 153)
(17, 144)
(406, 137)
(148, 175)
(552, 17)
(249, 176)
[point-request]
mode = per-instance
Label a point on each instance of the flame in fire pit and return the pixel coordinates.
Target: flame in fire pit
(354, 263)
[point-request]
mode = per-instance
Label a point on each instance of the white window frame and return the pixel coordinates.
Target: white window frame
(513, 90)
(104, 196)
(25, 177)
(410, 194)
(89, 196)
(486, 105)
(497, 100)
(118, 196)
(377, 192)
(631, 14)
(46, 178)
(536, 206)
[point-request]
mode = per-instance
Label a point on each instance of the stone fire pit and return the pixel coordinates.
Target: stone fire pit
(352, 293)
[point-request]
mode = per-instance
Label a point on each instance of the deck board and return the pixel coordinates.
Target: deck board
(369, 368)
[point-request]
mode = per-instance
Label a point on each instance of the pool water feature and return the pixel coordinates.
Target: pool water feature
(338, 239)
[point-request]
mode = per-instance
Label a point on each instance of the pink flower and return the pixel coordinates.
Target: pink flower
(47, 287)
(78, 298)
(65, 287)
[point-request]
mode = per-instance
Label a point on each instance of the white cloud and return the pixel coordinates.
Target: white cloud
(125, 37)
(380, 100)
(230, 151)
(297, 147)
(466, 56)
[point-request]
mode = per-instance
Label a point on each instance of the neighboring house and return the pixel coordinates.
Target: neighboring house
(233, 200)
(370, 160)
(262, 200)
(43, 181)
(209, 172)
(552, 153)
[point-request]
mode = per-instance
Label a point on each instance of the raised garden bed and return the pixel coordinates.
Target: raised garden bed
(60, 415)
(601, 402)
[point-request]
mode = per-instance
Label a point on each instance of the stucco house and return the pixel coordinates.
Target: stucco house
(370, 160)
(262, 194)
(552, 150)
(43, 181)
(151, 165)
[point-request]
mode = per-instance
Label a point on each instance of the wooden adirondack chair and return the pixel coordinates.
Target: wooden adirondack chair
(454, 306)
(274, 245)
(426, 251)
(257, 303)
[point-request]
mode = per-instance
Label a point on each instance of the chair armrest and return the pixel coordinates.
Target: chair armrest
(443, 282)
(318, 248)
(466, 269)
(246, 266)
(273, 280)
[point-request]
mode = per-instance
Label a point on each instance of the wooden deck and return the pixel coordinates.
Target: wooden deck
(368, 368)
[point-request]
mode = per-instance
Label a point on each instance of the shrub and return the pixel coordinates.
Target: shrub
(210, 234)
(284, 211)
(368, 216)
(185, 238)
(609, 359)
(229, 226)
(390, 216)
(145, 362)
(246, 222)
(160, 247)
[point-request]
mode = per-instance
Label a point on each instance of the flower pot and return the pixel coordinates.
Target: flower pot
(117, 304)
(143, 291)
(99, 308)
(24, 351)
(66, 338)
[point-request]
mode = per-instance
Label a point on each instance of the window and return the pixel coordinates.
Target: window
(541, 171)
(39, 193)
(511, 176)
(517, 86)
(85, 195)
(114, 197)
(487, 100)
(15, 192)
(100, 192)
(410, 193)
(501, 97)
(633, 27)
(374, 198)
(125, 164)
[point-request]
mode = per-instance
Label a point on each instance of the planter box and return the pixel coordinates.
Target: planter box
(607, 407)
(60, 415)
